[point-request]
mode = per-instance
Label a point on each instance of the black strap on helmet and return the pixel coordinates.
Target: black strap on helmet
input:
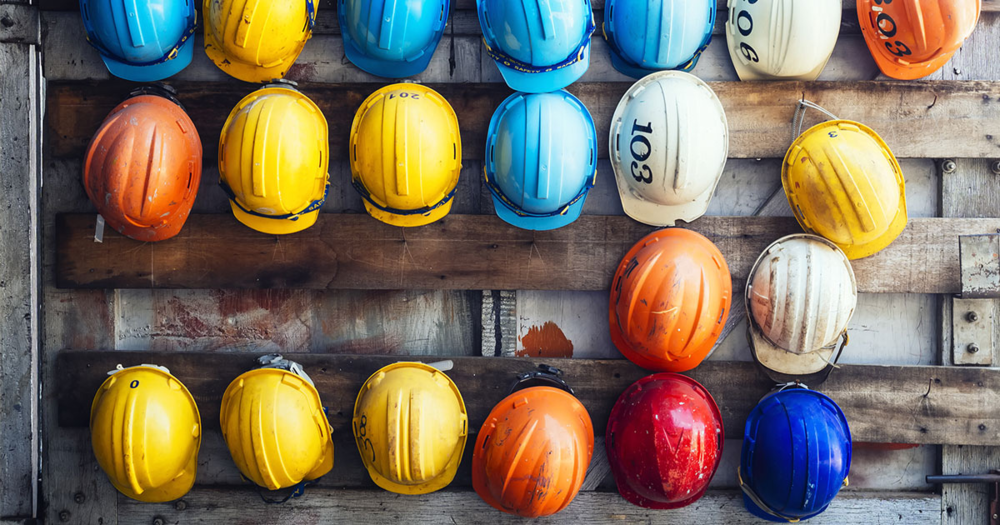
(157, 89)
(545, 375)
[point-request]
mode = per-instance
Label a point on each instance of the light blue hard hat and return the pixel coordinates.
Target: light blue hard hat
(141, 41)
(538, 45)
(646, 36)
(541, 159)
(796, 455)
(392, 38)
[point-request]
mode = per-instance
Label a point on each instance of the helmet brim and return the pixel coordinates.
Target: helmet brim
(387, 68)
(548, 81)
(274, 226)
(655, 214)
(409, 221)
(155, 72)
(538, 223)
(784, 362)
(242, 71)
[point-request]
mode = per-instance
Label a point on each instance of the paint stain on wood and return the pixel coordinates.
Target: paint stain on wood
(545, 341)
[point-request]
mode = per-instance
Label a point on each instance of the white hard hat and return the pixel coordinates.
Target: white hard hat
(669, 142)
(800, 295)
(782, 39)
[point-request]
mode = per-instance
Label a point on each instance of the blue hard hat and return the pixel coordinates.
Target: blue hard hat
(538, 45)
(646, 36)
(796, 455)
(141, 41)
(541, 159)
(392, 38)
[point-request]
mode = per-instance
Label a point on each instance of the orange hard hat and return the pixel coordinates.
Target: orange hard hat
(143, 166)
(533, 451)
(669, 300)
(910, 39)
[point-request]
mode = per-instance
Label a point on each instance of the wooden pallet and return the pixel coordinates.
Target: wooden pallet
(416, 311)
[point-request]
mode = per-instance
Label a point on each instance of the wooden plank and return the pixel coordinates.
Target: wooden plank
(20, 145)
(917, 119)
(205, 505)
(923, 405)
(460, 252)
(19, 23)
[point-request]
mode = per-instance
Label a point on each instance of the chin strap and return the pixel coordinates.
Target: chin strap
(749, 493)
(800, 116)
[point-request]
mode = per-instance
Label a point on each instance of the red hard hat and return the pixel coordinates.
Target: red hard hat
(143, 166)
(664, 441)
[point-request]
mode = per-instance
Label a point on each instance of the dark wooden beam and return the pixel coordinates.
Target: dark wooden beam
(917, 119)
(470, 252)
(885, 404)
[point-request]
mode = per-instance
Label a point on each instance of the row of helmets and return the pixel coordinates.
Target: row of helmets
(539, 46)
(664, 439)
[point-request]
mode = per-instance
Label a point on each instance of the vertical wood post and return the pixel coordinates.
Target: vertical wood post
(20, 181)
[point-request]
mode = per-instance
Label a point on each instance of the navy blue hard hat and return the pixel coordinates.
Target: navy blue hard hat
(541, 159)
(796, 455)
(392, 38)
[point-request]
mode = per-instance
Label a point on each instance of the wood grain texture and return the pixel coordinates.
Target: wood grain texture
(917, 119)
(202, 505)
(470, 252)
(924, 405)
(20, 177)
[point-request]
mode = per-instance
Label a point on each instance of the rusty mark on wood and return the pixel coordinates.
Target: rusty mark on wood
(545, 341)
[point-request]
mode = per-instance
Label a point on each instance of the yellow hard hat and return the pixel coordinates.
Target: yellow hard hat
(406, 155)
(257, 40)
(410, 424)
(273, 155)
(843, 183)
(275, 427)
(146, 431)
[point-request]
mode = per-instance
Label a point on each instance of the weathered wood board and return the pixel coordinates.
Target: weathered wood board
(460, 252)
(922, 405)
(449, 508)
(20, 152)
(917, 119)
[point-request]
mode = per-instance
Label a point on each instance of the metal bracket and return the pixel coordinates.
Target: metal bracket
(993, 479)
(978, 256)
(972, 331)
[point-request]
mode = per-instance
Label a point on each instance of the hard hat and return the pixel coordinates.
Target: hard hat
(668, 146)
(275, 426)
(538, 45)
(273, 155)
(800, 296)
(796, 455)
(664, 441)
(670, 300)
(257, 40)
(141, 41)
(146, 431)
(541, 159)
(406, 155)
(410, 424)
(910, 39)
(843, 183)
(392, 38)
(646, 36)
(533, 450)
(143, 166)
(782, 39)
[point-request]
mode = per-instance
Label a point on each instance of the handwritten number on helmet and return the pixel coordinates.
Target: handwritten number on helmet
(362, 432)
(748, 52)
(887, 27)
(405, 94)
(641, 172)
